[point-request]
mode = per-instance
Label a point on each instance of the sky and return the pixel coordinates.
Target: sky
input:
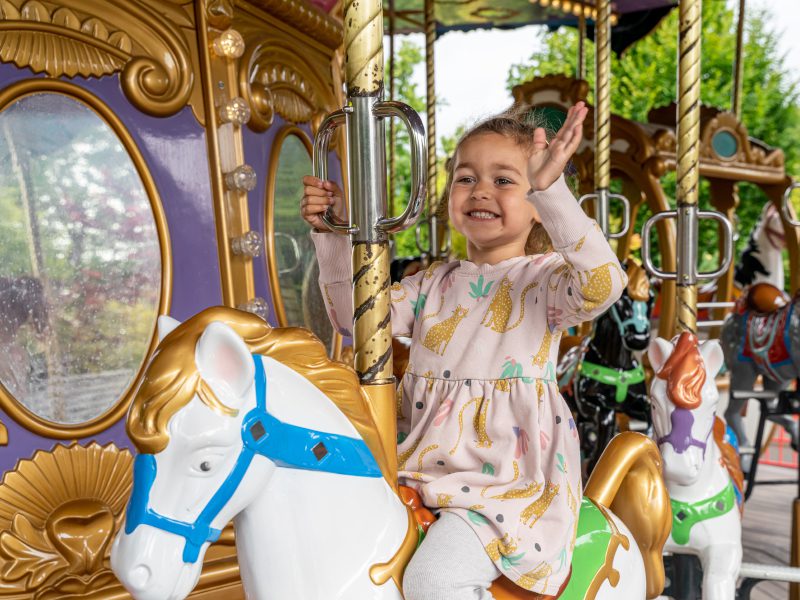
(471, 68)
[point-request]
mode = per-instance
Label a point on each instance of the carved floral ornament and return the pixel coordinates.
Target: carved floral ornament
(59, 513)
(143, 40)
(276, 79)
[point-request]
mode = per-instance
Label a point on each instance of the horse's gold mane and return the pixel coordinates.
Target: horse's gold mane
(171, 379)
(638, 283)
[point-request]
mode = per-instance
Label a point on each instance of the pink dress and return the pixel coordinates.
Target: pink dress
(483, 430)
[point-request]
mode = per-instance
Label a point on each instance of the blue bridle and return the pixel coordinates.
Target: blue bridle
(286, 445)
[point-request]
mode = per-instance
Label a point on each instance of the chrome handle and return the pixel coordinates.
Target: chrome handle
(416, 134)
(448, 239)
(647, 258)
(727, 227)
(626, 212)
(787, 214)
(321, 143)
(727, 230)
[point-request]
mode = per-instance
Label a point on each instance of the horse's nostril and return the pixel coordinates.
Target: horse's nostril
(140, 577)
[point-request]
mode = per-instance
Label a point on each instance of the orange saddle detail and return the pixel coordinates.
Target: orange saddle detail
(762, 298)
(503, 588)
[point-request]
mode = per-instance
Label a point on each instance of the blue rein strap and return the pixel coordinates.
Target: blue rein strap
(288, 446)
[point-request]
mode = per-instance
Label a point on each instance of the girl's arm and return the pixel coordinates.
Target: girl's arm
(587, 278)
(334, 254)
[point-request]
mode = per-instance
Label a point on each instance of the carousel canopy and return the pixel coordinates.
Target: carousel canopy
(633, 19)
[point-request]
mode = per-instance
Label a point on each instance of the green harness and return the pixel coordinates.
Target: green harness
(686, 515)
(621, 380)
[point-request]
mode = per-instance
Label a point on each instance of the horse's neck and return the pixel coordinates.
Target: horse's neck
(315, 535)
(293, 399)
(606, 347)
(713, 478)
(762, 246)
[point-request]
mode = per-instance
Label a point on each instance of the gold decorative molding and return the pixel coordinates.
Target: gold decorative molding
(269, 216)
(146, 41)
(8, 403)
(59, 513)
(305, 17)
(278, 78)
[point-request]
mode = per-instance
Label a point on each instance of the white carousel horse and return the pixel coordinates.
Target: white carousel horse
(701, 474)
(232, 423)
(762, 259)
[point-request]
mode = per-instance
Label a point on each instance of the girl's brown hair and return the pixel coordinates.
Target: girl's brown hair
(517, 124)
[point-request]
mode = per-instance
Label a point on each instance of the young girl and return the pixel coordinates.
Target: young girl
(484, 434)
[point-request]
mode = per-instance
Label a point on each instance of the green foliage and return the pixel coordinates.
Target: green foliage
(645, 77)
(407, 58)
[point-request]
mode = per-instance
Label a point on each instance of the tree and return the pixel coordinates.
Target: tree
(645, 78)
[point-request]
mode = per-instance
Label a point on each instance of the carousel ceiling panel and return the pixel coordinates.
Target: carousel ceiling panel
(481, 14)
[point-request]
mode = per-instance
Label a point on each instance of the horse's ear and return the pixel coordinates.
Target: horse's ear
(658, 352)
(712, 356)
(225, 363)
(166, 325)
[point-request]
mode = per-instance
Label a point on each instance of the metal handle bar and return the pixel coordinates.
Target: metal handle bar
(626, 212)
(295, 248)
(321, 143)
(727, 228)
(416, 134)
(727, 246)
(785, 205)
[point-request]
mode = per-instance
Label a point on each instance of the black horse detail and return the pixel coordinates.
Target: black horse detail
(601, 376)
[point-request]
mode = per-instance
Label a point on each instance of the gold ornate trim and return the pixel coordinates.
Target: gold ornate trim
(59, 512)
(305, 17)
(276, 78)
(8, 403)
(85, 38)
(269, 216)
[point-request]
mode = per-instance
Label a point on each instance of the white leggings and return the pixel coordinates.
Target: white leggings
(451, 564)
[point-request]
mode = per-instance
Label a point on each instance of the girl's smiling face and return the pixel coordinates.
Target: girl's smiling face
(488, 202)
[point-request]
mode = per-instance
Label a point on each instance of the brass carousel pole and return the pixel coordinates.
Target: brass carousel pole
(581, 69)
(368, 225)
(602, 113)
(738, 66)
(392, 170)
(434, 245)
(688, 156)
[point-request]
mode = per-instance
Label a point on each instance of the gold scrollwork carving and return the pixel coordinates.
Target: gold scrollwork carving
(276, 79)
(59, 513)
(143, 40)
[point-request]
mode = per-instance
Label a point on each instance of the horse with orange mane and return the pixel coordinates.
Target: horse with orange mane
(701, 470)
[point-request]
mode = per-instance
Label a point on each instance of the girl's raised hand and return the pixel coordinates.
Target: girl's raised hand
(547, 162)
(319, 196)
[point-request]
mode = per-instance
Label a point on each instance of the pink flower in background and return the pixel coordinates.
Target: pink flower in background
(444, 410)
(522, 442)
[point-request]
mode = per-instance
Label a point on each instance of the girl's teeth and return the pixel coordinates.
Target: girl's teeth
(479, 214)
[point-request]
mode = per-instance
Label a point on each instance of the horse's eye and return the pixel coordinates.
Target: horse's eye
(205, 466)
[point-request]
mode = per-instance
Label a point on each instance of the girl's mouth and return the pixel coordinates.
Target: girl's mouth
(482, 215)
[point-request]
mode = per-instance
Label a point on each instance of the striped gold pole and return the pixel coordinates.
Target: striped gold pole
(434, 244)
(602, 113)
(392, 168)
(738, 65)
(372, 331)
(688, 152)
(581, 69)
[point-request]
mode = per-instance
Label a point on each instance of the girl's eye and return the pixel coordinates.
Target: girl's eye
(465, 179)
(503, 181)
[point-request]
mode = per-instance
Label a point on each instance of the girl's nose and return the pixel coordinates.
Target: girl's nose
(480, 192)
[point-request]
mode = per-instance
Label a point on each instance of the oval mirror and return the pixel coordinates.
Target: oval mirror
(292, 263)
(80, 261)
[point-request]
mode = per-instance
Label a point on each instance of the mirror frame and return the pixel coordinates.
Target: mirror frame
(269, 227)
(9, 404)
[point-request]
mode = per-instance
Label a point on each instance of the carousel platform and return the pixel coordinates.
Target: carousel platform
(767, 527)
